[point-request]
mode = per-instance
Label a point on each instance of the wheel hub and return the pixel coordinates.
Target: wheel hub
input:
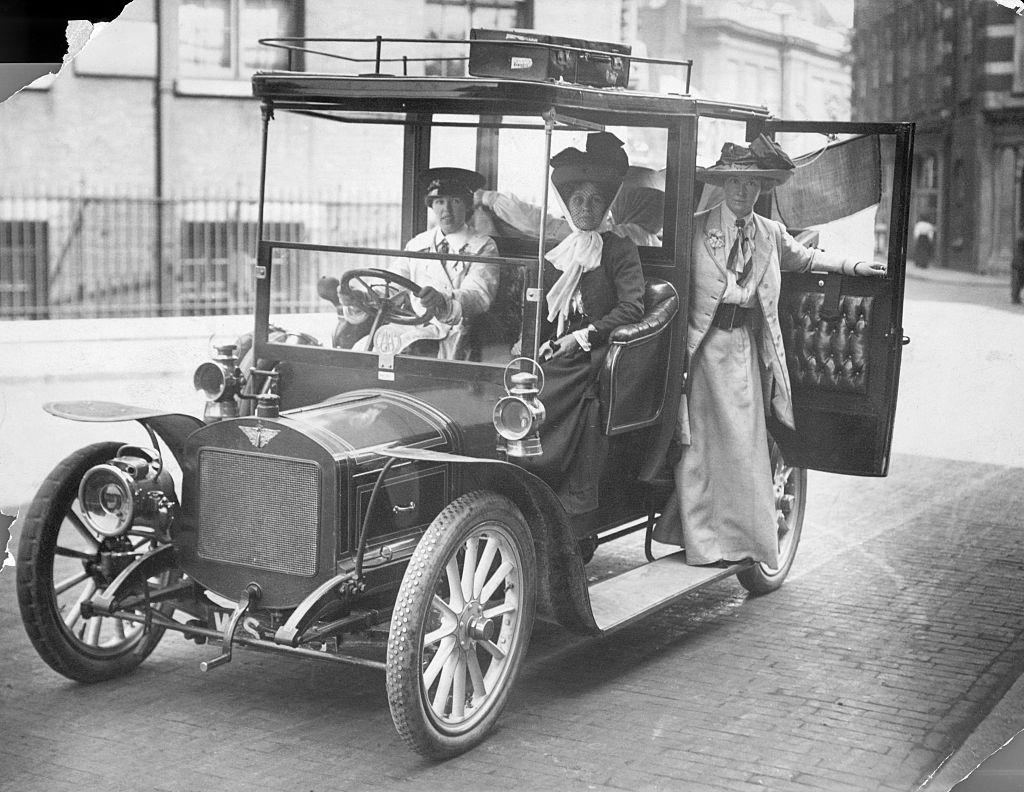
(474, 626)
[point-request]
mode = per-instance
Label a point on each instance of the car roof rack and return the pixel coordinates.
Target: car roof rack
(485, 47)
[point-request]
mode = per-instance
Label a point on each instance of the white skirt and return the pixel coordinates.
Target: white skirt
(723, 504)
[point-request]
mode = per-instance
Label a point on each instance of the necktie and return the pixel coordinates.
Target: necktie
(443, 247)
(741, 255)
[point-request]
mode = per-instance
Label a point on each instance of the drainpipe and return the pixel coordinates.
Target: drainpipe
(158, 160)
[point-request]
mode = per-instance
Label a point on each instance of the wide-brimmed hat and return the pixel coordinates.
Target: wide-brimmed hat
(604, 163)
(451, 181)
(762, 159)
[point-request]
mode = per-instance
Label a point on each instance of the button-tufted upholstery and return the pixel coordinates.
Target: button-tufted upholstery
(635, 372)
(827, 352)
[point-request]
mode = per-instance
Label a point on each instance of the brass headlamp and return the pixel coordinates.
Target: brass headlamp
(220, 380)
(517, 417)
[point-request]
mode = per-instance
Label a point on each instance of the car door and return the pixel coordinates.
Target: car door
(843, 335)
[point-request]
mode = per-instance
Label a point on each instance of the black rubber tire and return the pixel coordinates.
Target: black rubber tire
(471, 517)
(62, 650)
(790, 502)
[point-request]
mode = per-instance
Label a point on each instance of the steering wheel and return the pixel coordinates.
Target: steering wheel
(387, 296)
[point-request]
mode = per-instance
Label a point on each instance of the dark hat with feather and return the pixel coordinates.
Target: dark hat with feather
(763, 159)
(604, 163)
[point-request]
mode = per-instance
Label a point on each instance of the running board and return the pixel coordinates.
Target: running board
(621, 600)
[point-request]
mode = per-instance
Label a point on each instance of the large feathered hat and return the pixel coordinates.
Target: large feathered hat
(763, 159)
(604, 163)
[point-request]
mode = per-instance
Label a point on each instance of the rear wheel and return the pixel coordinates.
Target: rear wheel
(461, 625)
(790, 499)
(59, 569)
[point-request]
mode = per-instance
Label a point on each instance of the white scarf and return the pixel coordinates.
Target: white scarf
(578, 253)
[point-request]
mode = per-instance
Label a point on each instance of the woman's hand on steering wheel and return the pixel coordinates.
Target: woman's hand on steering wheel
(384, 293)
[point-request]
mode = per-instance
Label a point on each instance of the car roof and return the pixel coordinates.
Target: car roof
(479, 96)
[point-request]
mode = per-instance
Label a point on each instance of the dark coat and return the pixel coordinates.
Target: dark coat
(613, 294)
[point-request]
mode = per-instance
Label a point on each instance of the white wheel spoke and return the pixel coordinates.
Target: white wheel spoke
(496, 580)
(92, 633)
(490, 550)
(86, 534)
(75, 612)
(498, 610)
(476, 676)
(459, 689)
(455, 584)
(119, 629)
(70, 582)
(444, 608)
(469, 567)
(444, 685)
(434, 667)
(495, 652)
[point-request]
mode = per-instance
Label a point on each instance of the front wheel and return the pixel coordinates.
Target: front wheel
(461, 625)
(60, 567)
(790, 485)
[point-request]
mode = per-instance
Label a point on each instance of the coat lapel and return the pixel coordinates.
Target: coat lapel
(763, 243)
(713, 223)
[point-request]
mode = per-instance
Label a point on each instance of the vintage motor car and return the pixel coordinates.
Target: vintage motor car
(334, 490)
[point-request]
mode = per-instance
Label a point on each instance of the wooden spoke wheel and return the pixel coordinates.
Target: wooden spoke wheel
(461, 625)
(59, 568)
(790, 485)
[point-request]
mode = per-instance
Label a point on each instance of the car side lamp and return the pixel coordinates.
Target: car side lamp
(517, 417)
(220, 380)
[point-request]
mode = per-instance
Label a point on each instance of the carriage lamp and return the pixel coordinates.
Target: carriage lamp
(129, 488)
(220, 381)
(518, 416)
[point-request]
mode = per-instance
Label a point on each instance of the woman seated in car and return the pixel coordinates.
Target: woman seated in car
(636, 212)
(593, 284)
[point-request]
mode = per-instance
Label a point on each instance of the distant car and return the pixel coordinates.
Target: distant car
(328, 495)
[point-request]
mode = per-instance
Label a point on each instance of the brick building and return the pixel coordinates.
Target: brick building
(956, 68)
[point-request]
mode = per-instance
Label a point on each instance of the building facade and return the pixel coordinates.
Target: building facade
(793, 58)
(955, 68)
(131, 178)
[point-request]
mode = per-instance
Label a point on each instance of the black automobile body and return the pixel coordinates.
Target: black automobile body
(329, 493)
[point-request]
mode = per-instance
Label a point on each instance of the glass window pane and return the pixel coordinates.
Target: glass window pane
(204, 38)
(265, 19)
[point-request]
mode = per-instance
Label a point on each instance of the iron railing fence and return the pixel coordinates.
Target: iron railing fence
(96, 255)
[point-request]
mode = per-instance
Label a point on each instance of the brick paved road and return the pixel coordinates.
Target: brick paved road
(901, 625)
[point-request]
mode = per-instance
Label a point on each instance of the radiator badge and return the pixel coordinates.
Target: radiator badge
(259, 436)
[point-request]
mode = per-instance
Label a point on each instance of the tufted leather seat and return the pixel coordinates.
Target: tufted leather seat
(824, 352)
(634, 377)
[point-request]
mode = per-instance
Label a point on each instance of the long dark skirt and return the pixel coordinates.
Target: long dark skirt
(575, 448)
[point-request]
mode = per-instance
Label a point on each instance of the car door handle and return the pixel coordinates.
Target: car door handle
(905, 340)
(407, 508)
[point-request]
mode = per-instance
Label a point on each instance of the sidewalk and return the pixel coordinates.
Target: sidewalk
(992, 758)
(949, 275)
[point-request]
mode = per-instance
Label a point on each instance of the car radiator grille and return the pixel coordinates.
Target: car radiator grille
(259, 511)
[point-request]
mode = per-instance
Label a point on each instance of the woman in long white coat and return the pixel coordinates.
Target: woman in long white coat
(723, 506)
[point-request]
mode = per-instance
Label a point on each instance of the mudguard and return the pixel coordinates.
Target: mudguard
(563, 595)
(172, 428)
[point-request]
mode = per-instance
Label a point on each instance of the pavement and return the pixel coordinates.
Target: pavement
(891, 660)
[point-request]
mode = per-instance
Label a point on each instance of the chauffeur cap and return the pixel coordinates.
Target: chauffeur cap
(763, 159)
(451, 182)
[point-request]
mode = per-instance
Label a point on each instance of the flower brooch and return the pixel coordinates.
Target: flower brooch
(715, 237)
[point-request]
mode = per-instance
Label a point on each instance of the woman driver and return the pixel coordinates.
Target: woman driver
(593, 283)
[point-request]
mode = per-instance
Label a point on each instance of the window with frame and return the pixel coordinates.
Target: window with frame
(213, 277)
(24, 269)
(453, 19)
(220, 38)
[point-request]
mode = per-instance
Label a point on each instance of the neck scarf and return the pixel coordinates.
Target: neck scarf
(578, 253)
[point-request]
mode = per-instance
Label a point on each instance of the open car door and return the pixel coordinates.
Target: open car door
(843, 335)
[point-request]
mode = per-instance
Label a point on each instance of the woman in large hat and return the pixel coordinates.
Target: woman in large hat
(723, 505)
(594, 284)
